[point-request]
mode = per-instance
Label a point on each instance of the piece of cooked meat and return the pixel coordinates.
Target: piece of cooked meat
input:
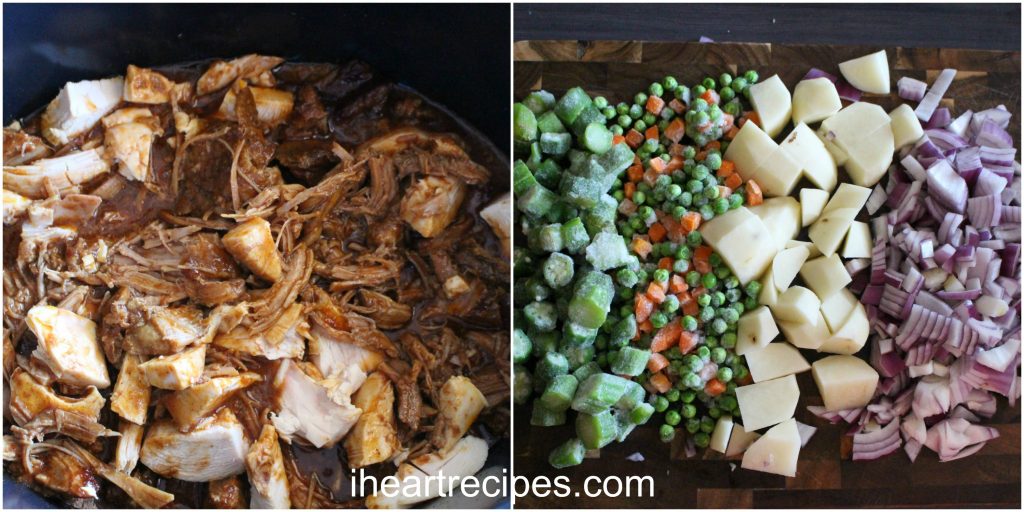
(272, 105)
(14, 205)
(220, 74)
(22, 148)
(264, 464)
(78, 107)
(166, 330)
(29, 398)
(305, 408)
(214, 450)
(63, 472)
(190, 406)
(177, 371)
(331, 355)
(68, 346)
(284, 339)
(459, 403)
(419, 476)
(61, 174)
(129, 141)
(432, 203)
(252, 244)
(226, 493)
(498, 215)
(126, 455)
(130, 398)
(374, 438)
(143, 85)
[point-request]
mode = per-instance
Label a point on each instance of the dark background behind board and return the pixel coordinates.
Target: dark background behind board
(600, 48)
(975, 25)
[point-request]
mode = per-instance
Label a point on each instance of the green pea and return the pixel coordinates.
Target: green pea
(688, 396)
(701, 119)
(660, 403)
(622, 108)
(739, 307)
(609, 112)
(699, 104)
(672, 395)
(707, 213)
(713, 161)
(711, 342)
(616, 129)
(641, 99)
(707, 314)
(726, 94)
(686, 199)
(689, 323)
(707, 425)
(650, 119)
(636, 111)
(728, 402)
(735, 201)
(681, 266)
(600, 102)
(651, 145)
(672, 418)
(729, 340)
(658, 320)
(712, 193)
(689, 410)
(670, 305)
(624, 121)
(640, 125)
(693, 279)
(694, 239)
(753, 288)
(740, 372)
(718, 355)
(725, 79)
(693, 425)
(699, 90)
(692, 381)
(739, 84)
(714, 412)
(750, 303)
(717, 299)
(656, 89)
(719, 326)
(638, 198)
(724, 374)
(682, 92)
(705, 300)
(709, 280)
(750, 76)
(733, 108)
(708, 83)
(661, 275)
(666, 433)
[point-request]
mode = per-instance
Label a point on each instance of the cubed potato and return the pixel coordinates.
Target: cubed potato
(744, 242)
(825, 275)
(767, 403)
(778, 173)
(851, 336)
(775, 360)
(776, 451)
(836, 308)
(858, 241)
(769, 293)
(815, 100)
(755, 329)
(869, 73)
(786, 265)
(773, 104)
(740, 440)
(816, 160)
(747, 149)
(906, 127)
(721, 435)
(828, 231)
(797, 304)
(805, 334)
(812, 250)
(845, 382)
(812, 202)
(860, 137)
(781, 215)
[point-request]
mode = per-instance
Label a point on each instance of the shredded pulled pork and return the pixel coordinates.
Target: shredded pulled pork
(239, 246)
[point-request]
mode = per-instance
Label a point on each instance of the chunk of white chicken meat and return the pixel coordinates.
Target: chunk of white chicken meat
(214, 450)
(142, 85)
(178, 371)
(145, 495)
(14, 206)
(307, 409)
(126, 455)
(130, 399)
(284, 339)
(79, 106)
(374, 438)
(252, 244)
(29, 398)
(62, 174)
(220, 74)
(190, 406)
(498, 215)
(167, 330)
(129, 141)
(332, 356)
(67, 345)
(419, 477)
(273, 106)
(264, 464)
(432, 203)
(459, 404)
(22, 148)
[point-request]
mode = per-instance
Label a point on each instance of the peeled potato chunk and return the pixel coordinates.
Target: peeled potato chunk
(767, 403)
(845, 382)
(775, 452)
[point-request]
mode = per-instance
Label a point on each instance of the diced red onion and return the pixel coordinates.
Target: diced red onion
(931, 98)
(946, 186)
(847, 91)
(945, 139)
(817, 73)
(960, 124)
(939, 119)
(878, 443)
(911, 89)
(984, 211)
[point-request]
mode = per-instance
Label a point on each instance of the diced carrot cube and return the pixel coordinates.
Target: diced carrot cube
(660, 382)
(643, 307)
(657, 164)
(701, 259)
(675, 164)
(710, 96)
(634, 138)
(656, 232)
(677, 106)
(687, 341)
(641, 247)
(618, 139)
(666, 336)
(654, 104)
(656, 293)
(675, 149)
(657, 362)
(724, 191)
(714, 387)
(651, 133)
(676, 284)
(628, 189)
(752, 115)
(690, 306)
(665, 263)
(676, 130)
(727, 168)
(635, 173)
(754, 196)
(715, 145)
(733, 181)
(691, 221)
(701, 156)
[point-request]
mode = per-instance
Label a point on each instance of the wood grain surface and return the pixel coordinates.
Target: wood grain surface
(826, 476)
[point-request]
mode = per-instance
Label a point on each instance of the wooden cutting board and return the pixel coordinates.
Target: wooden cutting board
(826, 477)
